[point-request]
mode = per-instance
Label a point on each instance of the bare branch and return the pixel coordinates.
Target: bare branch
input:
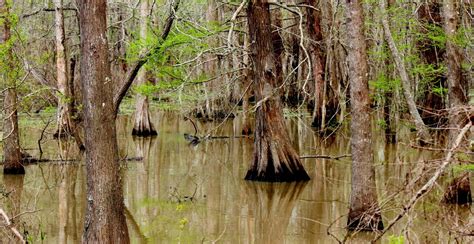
(232, 23)
(428, 185)
(12, 228)
(45, 10)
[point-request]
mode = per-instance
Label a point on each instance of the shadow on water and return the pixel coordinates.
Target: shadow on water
(194, 194)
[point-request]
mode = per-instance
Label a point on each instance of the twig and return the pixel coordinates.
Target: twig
(41, 138)
(427, 187)
(220, 236)
(9, 225)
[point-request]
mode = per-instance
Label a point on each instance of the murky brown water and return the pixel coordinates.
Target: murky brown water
(185, 194)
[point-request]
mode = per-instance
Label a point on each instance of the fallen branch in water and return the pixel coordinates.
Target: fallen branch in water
(9, 225)
(326, 156)
(32, 160)
(227, 137)
(428, 185)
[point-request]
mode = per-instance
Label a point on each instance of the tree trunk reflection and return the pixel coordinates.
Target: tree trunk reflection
(272, 210)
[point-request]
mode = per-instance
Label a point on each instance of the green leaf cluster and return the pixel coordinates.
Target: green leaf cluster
(393, 239)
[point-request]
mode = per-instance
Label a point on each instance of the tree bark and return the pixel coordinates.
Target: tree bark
(247, 82)
(457, 87)
(364, 213)
(274, 158)
(105, 220)
(313, 23)
(277, 42)
(61, 71)
(142, 122)
(459, 190)
(11, 140)
(66, 124)
(292, 91)
(423, 134)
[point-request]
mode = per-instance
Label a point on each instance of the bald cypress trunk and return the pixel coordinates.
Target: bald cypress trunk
(429, 15)
(459, 190)
(11, 141)
(142, 122)
(61, 71)
(274, 158)
(364, 213)
(317, 62)
(292, 93)
(105, 219)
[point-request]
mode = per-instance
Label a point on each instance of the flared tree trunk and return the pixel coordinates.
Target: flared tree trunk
(274, 157)
(364, 213)
(11, 140)
(142, 123)
(459, 190)
(105, 219)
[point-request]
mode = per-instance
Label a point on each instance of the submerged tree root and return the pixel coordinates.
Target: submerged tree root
(277, 176)
(246, 130)
(61, 134)
(365, 220)
(20, 170)
(143, 127)
(458, 191)
(144, 132)
(276, 163)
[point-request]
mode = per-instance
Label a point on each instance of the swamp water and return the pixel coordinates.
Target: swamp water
(181, 193)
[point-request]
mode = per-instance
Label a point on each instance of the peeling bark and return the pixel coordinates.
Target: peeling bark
(61, 73)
